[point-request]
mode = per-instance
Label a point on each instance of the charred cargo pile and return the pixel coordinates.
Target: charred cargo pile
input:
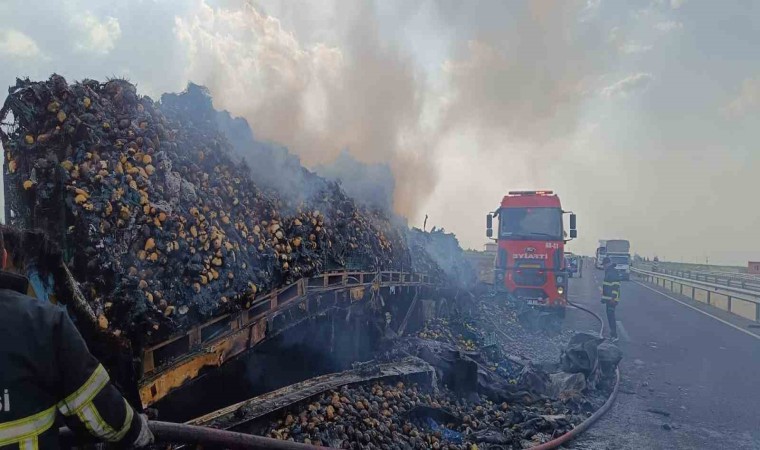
(158, 221)
(489, 391)
(399, 416)
(480, 403)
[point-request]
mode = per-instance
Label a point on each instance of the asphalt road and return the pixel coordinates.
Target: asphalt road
(688, 381)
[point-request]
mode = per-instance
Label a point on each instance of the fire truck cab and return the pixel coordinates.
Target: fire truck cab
(530, 263)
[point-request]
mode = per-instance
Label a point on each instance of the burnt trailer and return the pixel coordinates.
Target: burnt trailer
(154, 372)
(138, 218)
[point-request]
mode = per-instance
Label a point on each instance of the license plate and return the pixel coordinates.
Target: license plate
(535, 302)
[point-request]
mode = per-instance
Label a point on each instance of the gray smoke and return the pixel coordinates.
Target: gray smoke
(370, 184)
(365, 97)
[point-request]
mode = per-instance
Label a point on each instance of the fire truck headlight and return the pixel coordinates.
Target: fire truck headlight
(560, 290)
(560, 279)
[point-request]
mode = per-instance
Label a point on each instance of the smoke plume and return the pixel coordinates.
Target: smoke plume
(523, 81)
(316, 100)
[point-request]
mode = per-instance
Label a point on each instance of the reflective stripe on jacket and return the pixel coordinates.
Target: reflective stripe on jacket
(611, 286)
(46, 368)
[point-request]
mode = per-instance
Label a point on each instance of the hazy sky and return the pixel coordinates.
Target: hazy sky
(642, 115)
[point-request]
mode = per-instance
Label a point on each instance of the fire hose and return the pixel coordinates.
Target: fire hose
(583, 426)
(178, 433)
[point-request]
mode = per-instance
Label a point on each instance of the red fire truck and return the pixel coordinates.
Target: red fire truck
(530, 263)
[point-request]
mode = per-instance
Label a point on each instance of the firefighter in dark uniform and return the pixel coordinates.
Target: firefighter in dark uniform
(46, 369)
(611, 294)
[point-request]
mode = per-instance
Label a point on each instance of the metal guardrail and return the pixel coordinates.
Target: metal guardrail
(173, 362)
(737, 280)
(742, 302)
(754, 278)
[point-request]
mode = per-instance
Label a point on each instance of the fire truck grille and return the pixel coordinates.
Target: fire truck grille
(529, 276)
(531, 293)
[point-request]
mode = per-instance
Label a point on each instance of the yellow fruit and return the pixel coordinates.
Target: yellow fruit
(150, 170)
(53, 107)
(28, 184)
(150, 244)
(102, 322)
(12, 166)
(61, 116)
(147, 159)
(153, 257)
(87, 102)
(29, 139)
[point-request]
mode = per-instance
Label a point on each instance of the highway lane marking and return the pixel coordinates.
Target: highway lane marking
(700, 311)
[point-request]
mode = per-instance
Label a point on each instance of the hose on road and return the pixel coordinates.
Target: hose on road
(575, 432)
(596, 316)
(572, 434)
(178, 433)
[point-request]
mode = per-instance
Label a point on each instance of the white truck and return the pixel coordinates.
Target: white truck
(619, 251)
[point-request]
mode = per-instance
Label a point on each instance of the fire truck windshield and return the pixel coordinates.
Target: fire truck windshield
(530, 223)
